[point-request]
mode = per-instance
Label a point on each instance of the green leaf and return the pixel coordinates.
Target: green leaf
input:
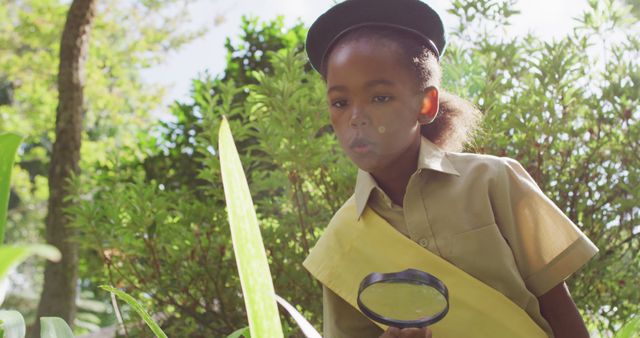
(243, 332)
(306, 327)
(251, 259)
(630, 330)
(138, 308)
(12, 255)
(54, 327)
(12, 323)
(8, 146)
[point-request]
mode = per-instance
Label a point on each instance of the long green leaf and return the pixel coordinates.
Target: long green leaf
(8, 146)
(12, 255)
(243, 332)
(138, 308)
(630, 330)
(12, 324)
(54, 327)
(251, 259)
(307, 329)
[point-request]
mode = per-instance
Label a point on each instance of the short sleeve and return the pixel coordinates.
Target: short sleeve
(341, 320)
(547, 246)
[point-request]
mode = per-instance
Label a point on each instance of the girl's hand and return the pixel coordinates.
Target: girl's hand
(394, 332)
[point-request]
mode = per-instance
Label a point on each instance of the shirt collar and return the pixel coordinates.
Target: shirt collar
(430, 157)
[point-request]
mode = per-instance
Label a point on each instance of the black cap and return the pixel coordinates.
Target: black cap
(410, 15)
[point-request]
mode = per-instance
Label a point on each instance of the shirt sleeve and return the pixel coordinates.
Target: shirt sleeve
(341, 320)
(547, 246)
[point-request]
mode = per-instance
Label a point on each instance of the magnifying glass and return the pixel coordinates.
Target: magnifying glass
(409, 298)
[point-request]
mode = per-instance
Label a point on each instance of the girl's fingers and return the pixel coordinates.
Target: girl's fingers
(394, 332)
(415, 333)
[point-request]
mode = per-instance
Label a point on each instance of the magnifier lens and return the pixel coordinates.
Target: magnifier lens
(409, 298)
(403, 300)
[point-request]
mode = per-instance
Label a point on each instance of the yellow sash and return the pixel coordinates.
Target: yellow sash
(349, 250)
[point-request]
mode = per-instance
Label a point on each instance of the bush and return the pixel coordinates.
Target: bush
(568, 111)
(173, 245)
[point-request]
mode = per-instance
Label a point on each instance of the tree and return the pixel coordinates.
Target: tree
(60, 279)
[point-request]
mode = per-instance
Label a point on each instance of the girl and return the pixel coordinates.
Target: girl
(483, 217)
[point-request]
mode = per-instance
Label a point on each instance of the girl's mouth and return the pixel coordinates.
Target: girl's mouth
(360, 146)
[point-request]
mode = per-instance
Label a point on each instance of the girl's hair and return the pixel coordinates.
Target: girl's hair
(457, 119)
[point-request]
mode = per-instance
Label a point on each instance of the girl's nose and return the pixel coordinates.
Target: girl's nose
(359, 118)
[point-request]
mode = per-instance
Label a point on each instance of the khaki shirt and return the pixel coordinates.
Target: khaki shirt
(483, 214)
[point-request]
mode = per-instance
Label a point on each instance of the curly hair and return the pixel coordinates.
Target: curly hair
(457, 119)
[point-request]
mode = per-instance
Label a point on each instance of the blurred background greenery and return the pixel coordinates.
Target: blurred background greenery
(147, 207)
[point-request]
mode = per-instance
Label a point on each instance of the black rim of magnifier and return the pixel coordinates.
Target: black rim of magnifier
(408, 276)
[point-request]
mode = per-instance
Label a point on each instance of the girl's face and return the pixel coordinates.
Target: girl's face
(375, 105)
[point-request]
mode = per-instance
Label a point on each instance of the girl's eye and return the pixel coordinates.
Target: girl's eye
(338, 103)
(381, 98)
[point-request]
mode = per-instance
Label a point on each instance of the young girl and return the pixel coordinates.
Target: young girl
(504, 248)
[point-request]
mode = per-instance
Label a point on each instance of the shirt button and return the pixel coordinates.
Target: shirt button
(423, 242)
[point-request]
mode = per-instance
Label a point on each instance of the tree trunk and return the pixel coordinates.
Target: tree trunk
(59, 292)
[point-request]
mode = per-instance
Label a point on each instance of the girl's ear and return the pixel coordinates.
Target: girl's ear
(429, 109)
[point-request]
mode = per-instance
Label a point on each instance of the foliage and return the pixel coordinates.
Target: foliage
(138, 308)
(307, 329)
(172, 158)
(8, 147)
(630, 330)
(11, 322)
(253, 269)
(243, 332)
(568, 110)
(159, 227)
(174, 244)
(251, 259)
(12, 255)
(127, 37)
(12, 325)
(54, 327)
